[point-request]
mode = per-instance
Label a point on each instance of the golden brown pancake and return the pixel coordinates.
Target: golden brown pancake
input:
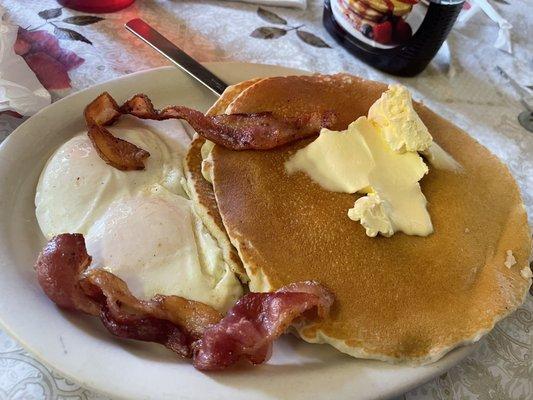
(404, 298)
(229, 95)
(201, 193)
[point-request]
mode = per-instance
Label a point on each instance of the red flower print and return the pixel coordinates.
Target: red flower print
(45, 57)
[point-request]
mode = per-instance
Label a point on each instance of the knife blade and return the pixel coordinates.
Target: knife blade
(177, 56)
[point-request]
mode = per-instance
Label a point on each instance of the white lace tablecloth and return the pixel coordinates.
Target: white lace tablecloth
(471, 93)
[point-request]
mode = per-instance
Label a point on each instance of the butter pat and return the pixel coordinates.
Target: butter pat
(337, 161)
(370, 211)
(360, 160)
(207, 160)
(378, 156)
(400, 125)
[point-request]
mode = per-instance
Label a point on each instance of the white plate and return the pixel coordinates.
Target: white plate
(79, 348)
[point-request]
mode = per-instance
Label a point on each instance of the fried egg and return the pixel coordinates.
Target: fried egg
(138, 225)
(76, 185)
(157, 244)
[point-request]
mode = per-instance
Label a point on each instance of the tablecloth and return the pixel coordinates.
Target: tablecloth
(470, 92)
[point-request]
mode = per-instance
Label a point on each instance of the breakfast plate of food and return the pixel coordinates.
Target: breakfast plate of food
(303, 236)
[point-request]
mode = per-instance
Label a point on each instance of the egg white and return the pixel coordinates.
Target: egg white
(138, 225)
(157, 244)
(76, 185)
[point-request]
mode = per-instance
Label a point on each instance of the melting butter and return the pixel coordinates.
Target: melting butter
(440, 159)
(378, 156)
(403, 129)
(360, 160)
(337, 161)
(370, 210)
(207, 160)
(401, 126)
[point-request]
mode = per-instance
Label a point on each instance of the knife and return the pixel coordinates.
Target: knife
(177, 56)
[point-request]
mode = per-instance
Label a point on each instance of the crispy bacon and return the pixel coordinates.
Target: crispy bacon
(148, 329)
(258, 131)
(58, 268)
(192, 316)
(140, 106)
(116, 152)
(169, 320)
(103, 110)
(188, 328)
(250, 327)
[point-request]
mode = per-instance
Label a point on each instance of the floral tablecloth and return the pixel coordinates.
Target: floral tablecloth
(470, 91)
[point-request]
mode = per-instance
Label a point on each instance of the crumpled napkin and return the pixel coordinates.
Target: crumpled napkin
(301, 4)
(503, 41)
(20, 90)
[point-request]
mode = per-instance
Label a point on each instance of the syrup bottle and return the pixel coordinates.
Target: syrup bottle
(395, 36)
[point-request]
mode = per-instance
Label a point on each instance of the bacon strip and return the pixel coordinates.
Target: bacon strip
(103, 110)
(116, 152)
(148, 329)
(250, 327)
(259, 131)
(169, 320)
(188, 328)
(192, 316)
(140, 106)
(58, 268)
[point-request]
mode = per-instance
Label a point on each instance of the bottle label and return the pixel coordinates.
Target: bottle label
(383, 24)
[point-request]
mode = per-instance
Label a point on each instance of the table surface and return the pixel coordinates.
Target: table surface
(469, 91)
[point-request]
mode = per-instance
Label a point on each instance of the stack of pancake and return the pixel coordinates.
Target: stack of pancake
(403, 298)
(378, 19)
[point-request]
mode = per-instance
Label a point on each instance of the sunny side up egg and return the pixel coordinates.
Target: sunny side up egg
(139, 225)
(76, 185)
